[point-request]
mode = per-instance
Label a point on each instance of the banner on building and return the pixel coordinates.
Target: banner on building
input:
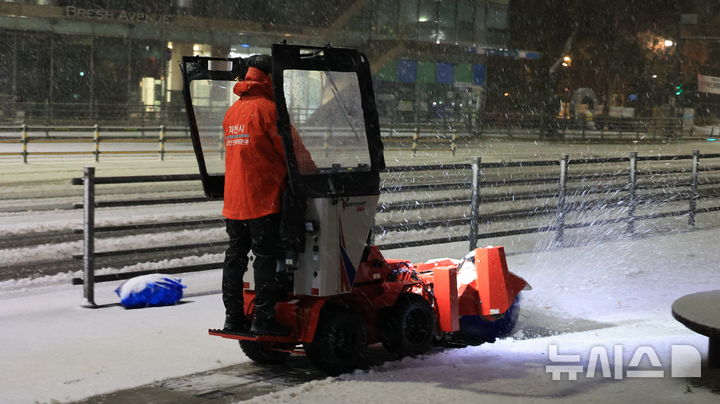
(445, 73)
(411, 71)
(463, 73)
(708, 84)
(479, 75)
(426, 72)
(389, 72)
(407, 71)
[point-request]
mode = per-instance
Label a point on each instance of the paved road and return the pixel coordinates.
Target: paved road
(230, 384)
(248, 380)
(226, 385)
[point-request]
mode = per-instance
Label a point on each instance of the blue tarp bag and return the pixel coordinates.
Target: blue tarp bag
(150, 290)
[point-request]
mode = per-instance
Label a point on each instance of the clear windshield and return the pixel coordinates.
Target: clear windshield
(326, 111)
(211, 99)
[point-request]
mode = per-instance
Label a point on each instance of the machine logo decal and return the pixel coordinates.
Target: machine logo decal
(358, 205)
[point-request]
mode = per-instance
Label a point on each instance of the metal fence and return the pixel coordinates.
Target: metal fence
(432, 135)
(404, 137)
(604, 128)
(485, 195)
(97, 136)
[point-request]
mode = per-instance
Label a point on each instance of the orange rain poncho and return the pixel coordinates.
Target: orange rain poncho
(255, 167)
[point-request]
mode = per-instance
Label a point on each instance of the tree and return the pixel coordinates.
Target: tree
(607, 51)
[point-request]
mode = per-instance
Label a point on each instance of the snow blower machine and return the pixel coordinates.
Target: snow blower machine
(342, 294)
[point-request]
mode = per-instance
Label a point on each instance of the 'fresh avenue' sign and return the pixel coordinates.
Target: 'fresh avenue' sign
(117, 15)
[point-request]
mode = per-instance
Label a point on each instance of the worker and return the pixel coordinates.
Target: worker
(255, 176)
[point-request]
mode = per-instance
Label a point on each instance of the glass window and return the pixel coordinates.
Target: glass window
(497, 16)
(427, 21)
(110, 77)
(385, 18)
(480, 25)
(446, 21)
(466, 21)
(325, 108)
(71, 69)
(466, 11)
(111, 70)
(148, 61)
(33, 67)
(447, 14)
(7, 45)
(211, 99)
(409, 17)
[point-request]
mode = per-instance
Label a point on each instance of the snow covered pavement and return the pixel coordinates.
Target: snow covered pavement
(609, 294)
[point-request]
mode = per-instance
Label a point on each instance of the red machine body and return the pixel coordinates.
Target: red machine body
(381, 281)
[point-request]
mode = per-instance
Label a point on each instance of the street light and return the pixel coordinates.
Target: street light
(567, 61)
(669, 43)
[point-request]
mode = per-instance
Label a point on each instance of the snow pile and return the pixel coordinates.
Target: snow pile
(508, 371)
(598, 295)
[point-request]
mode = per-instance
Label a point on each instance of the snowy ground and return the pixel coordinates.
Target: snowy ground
(598, 294)
(615, 293)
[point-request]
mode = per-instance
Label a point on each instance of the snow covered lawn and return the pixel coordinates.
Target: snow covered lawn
(606, 294)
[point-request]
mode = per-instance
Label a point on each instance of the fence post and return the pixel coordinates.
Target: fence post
(415, 140)
(326, 139)
(475, 202)
(694, 188)
(161, 141)
(632, 193)
(560, 221)
(480, 124)
(453, 146)
(444, 125)
(221, 145)
(47, 116)
(326, 143)
(96, 140)
(24, 141)
(89, 237)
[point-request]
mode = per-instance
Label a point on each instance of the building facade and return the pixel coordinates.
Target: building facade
(116, 61)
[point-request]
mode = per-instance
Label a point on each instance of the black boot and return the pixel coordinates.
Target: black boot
(264, 322)
(235, 323)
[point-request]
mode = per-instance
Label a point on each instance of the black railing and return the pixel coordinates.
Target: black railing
(613, 182)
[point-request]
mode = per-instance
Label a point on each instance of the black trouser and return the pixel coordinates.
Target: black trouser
(261, 235)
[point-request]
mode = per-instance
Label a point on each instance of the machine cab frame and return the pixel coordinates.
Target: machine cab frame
(325, 110)
(330, 180)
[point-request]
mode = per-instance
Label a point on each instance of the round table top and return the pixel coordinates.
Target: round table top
(699, 312)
